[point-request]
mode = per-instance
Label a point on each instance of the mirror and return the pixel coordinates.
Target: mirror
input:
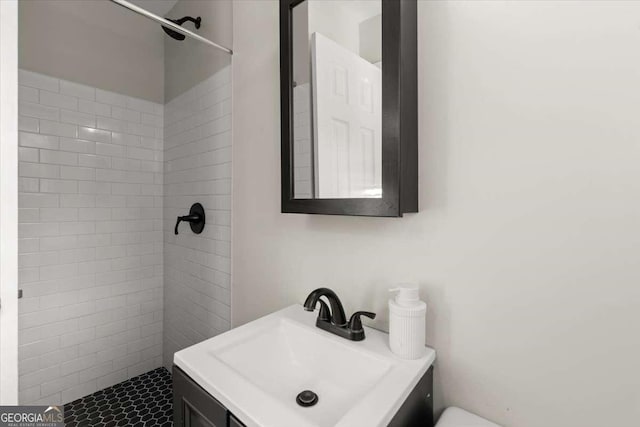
(349, 123)
(337, 99)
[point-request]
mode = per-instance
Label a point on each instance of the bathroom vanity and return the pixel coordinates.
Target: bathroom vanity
(251, 376)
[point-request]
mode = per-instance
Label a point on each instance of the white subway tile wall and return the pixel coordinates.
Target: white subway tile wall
(91, 239)
(302, 149)
(197, 168)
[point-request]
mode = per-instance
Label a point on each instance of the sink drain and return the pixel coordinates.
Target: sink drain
(307, 398)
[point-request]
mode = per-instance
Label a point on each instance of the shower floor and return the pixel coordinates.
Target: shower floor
(145, 400)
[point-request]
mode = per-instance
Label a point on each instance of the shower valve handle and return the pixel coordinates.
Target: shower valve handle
(187, 218)
(196, 219)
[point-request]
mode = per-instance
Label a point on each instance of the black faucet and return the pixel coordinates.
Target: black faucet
(335, 321)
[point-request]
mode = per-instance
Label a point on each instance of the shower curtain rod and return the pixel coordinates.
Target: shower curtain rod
(175, 27)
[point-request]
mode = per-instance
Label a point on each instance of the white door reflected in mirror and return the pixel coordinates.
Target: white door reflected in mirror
(337, 100)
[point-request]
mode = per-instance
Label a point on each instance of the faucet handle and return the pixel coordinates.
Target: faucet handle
(354, 322)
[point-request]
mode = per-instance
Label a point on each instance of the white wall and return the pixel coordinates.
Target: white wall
(96, 43)
(302, 151)
(370, 39)
(300, 43)
(527, 243)
(9, 205)
(90, 238)
(340, 21)
(197, 285)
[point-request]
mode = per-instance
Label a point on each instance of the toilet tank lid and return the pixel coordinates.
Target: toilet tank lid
(456, 417)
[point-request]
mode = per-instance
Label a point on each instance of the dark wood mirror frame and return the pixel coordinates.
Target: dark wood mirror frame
(399, 118)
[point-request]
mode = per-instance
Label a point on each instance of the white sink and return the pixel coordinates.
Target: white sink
(258, 369)
(288, 358)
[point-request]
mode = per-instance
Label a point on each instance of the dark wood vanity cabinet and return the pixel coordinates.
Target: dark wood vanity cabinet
(417, 409)
(194, 407)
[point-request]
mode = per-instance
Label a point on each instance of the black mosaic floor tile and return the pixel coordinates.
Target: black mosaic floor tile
(145, 401)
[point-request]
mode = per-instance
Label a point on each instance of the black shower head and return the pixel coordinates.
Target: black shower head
(176, 35)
